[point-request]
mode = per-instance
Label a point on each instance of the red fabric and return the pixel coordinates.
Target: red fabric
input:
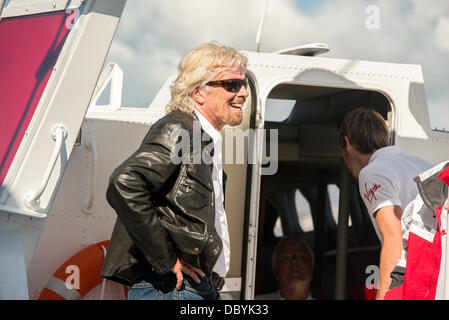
(29, 48)
(444, 175)
(370, 294)
(422, 268)
(396, 293)
(423, 263)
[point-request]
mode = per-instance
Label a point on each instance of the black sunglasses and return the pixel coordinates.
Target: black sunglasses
(231, 85)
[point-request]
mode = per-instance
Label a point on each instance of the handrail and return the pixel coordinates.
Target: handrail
(88, 204)
(103, 285)
(58, 133)
(113, 74)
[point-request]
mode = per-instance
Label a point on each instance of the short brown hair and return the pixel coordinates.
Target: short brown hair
(366, 130)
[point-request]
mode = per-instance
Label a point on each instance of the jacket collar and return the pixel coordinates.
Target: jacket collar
(433, 185)
(207, 127)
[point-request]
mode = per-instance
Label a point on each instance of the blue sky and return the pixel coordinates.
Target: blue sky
(308, 5)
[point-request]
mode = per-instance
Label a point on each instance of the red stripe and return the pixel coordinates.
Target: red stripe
(444, 175)
(423, 265)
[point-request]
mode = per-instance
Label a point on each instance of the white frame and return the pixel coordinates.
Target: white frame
(14, 8)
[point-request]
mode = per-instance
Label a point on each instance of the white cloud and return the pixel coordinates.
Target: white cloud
(441, 34)
(122, 51)
(430, 9)
(154, 35)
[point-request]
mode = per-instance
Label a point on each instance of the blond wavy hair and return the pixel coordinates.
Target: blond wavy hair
(200, 66)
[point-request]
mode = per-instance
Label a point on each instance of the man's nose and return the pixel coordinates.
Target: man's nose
(243, 92)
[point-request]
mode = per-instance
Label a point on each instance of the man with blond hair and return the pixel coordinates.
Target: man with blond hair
(171, 237)
(385, 177)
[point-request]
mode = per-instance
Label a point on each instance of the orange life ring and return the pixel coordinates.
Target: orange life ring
(89, 261)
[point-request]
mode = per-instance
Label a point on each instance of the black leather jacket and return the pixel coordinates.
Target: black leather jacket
(165, 210)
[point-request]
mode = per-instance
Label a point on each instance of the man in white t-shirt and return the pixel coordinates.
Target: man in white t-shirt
(385, 178)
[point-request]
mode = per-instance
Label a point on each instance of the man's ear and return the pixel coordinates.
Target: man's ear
(198, 95)
(348, 146)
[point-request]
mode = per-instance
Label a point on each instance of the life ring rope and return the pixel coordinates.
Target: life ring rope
(103, 285)
(89, 261)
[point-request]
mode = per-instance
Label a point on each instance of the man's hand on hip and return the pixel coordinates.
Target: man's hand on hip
(182, 266)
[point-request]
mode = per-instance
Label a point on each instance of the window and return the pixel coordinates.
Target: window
(278, 110)
(278, 233)
(334, 195)
(304, 213)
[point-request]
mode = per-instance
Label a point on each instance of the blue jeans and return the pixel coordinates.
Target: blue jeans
(163, 287)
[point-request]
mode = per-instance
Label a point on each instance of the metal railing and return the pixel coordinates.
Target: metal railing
(58, 133)
(92, 185)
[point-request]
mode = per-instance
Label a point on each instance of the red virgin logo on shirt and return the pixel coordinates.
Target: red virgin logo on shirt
(369, 194)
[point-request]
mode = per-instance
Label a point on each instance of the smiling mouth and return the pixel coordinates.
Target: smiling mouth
(236, 106)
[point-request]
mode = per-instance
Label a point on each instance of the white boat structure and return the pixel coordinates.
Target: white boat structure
(58, 149)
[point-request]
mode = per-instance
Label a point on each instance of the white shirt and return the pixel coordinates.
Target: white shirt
(221, 225)
(388, 180)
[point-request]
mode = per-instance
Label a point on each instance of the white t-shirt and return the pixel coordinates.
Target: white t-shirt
(388, 180)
